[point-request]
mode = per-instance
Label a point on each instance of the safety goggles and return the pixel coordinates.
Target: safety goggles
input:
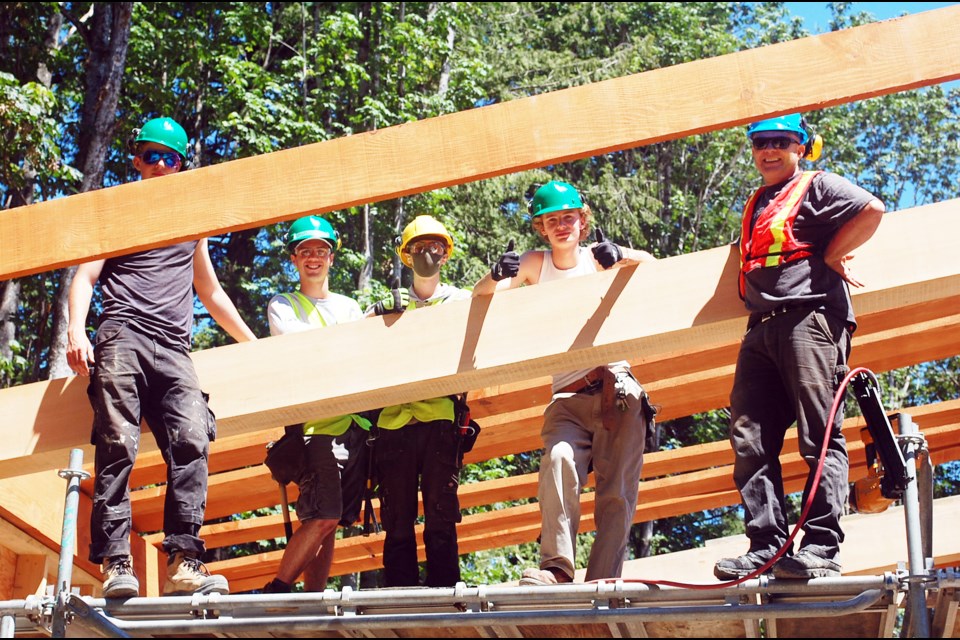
(170, 158)
(314, 252)
(436, 247)
(775, 142)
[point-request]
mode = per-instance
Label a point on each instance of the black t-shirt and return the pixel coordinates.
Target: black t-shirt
(152, 291)
(831, 202)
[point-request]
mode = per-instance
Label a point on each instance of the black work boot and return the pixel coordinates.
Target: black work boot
(277, 586)
(806, 564)
(733, 568)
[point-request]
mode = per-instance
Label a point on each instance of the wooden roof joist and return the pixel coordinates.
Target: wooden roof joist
(507, 338)
(621, 113)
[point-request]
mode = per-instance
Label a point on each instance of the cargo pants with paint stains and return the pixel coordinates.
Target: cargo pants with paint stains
(136, 377)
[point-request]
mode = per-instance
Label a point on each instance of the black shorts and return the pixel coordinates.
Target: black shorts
(331, 486)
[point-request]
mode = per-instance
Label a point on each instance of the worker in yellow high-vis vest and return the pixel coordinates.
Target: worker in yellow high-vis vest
(418, 444)
(331, 482)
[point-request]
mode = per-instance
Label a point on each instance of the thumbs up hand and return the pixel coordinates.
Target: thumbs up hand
(606, 252)
(507, 266)
(395, 302)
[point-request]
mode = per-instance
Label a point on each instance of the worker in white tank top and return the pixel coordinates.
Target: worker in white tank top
(597, 418)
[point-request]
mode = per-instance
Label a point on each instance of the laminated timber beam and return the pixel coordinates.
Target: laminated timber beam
(505, 338)
(622, 113)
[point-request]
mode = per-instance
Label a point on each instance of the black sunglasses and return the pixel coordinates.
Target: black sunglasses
(152, 156)
(776, 142)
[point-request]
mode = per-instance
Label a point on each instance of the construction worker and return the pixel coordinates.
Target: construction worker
(798, 231)
(331, 482)
(418, 444)
(597, 417)
(141, 368)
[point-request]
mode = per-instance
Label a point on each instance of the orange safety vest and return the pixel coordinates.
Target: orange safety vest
(772, 241)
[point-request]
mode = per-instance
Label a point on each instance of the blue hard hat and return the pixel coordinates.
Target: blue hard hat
(792, 123)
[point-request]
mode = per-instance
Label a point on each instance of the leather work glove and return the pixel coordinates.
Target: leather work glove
(396, 302)
(606, 252)
(507, 266)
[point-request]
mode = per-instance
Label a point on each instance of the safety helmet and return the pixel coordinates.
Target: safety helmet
(165, 131)
(555, 196)
(311, 228)
(792, 123)
(421, 226)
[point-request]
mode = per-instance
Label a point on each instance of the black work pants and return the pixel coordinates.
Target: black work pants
(136, 377)
(425, 454)
(787, 371)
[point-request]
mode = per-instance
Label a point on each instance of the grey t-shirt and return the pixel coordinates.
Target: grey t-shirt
(151, 291)
(831, 202)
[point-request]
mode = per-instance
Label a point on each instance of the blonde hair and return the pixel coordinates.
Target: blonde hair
(586, 218)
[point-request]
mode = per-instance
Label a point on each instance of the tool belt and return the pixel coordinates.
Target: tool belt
(612, 399)
(287, 456)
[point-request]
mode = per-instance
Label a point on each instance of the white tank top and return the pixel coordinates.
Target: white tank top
(548, 271)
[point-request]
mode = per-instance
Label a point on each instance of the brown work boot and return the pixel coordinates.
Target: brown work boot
(186, 575)
(543, 577)
(119, 579)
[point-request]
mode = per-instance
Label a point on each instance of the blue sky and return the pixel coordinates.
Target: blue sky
(816, 15)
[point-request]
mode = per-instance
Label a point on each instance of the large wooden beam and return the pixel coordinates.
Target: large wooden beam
(500, 339)
(811, 73)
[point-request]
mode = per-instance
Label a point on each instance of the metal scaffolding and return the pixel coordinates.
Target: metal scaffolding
(616, 608)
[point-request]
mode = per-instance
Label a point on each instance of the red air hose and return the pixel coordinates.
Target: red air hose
(837, 401)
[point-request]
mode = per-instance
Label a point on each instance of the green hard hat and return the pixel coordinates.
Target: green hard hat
(165, 131)
(312, 228)
(555, 196)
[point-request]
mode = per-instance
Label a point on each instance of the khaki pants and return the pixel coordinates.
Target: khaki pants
(574, 442)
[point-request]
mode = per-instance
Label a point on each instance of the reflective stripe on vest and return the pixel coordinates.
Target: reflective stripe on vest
(772, 242)
(305, 308)
(431, 410)
(334, 426)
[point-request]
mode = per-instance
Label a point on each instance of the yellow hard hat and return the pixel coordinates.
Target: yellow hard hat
(420, 227)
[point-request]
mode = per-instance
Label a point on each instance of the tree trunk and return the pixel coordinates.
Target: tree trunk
(107, 39)
(366, 56)
(444, 84)
(9, 301)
